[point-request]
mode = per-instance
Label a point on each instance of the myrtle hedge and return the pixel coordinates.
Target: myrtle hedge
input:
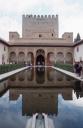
(68, 67)
(9, 67)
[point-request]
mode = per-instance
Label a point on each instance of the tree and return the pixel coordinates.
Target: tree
(77, 38)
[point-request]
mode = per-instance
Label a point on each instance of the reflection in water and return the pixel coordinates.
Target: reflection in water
(3, 87)
(40, 75)
(21, 76)
(30, 74)
(13, 78)
(50, 74)
(40, 121)
(20, 102)
(60, 76)
(36, 101)
(78, 89)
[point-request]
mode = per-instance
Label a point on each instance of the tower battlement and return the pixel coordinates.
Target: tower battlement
(40, 16)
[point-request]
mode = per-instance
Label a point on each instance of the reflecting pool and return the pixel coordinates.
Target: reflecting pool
(41, 90)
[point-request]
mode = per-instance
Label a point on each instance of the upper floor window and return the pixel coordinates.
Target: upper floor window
(69, 36)
(12, 36)
(4, 48)
(77, 49)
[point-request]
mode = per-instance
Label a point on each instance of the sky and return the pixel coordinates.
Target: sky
(70, 14)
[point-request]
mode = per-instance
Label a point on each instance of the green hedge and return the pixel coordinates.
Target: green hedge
(9, 67)
(68, 67)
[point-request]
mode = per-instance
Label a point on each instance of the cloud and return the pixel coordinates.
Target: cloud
(70, 14)
(8, 24)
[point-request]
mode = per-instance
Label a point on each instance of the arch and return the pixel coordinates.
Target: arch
(40, 57)
(59, 77)
(40, 52)
(50, 58)
(30, 58)
(21, 76)
(12, 57)
(30, 74)
(69, 57)
(60, 57)
(40, 60)
(13, 78)
(21, 57)
(50, 74)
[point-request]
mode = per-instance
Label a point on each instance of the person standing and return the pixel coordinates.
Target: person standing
(76, 66)
(82, 70)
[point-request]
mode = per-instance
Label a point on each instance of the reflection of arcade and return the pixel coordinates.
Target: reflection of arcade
(37, 77)
(3, 87)
(40, 75)
(40, 100)
(78, 88)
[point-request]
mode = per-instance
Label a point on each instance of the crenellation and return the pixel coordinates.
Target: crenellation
(49, 16)
(40, 16)
(45, 16)
(26, 16)
(53, 16)
(34, 16)
(23, 16)
(57, 17)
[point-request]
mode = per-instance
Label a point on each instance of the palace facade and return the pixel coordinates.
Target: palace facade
(39, 44)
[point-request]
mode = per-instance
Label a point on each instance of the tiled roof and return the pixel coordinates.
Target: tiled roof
(4, 42)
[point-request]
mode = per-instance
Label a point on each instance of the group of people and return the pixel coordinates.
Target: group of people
(78, 68)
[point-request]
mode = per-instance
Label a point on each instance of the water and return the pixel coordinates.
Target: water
(40, 121)
(41, 91)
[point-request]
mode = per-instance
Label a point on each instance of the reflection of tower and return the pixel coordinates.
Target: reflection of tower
(36, 101)
(39, 100)
(3, 87)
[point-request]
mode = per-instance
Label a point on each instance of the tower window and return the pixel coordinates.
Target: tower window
(40, 35)
(69, 36)
(52, 34)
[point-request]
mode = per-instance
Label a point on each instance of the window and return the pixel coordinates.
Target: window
(4, 48)
(40, 35)
(52, 34)
(2, 59)
(12, 36)
(77, 49)
(68, 36)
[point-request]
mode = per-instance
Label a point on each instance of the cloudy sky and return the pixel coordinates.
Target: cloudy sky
(70, 14)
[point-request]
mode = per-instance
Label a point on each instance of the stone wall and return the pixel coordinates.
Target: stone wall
(39, 26)
(3, 53)
(78, 53)
(53, 54)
